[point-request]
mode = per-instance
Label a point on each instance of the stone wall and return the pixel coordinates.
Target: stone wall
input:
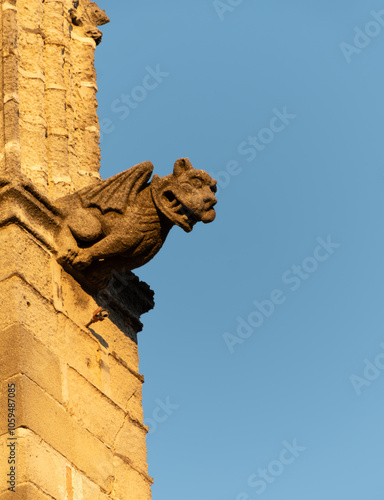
(49, 124)
(79, 420)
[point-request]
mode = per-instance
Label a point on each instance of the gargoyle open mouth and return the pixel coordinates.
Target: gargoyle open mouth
(182, 215)
(174, 204)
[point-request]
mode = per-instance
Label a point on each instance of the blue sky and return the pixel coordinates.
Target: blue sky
(282, 102)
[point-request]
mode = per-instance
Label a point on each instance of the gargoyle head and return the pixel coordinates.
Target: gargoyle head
(187, 196)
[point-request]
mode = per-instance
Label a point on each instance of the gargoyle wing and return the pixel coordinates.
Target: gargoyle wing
(116, 193)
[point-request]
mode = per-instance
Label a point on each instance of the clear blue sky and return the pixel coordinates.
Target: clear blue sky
(283, 103)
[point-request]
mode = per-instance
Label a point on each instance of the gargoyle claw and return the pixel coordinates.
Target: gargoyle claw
(81, 260)
(67, 256)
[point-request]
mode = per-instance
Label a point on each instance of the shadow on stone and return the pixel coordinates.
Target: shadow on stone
(103, 342)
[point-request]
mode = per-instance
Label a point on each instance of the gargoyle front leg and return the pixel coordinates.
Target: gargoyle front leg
(79, 225)
(107, 247)
(67, 248)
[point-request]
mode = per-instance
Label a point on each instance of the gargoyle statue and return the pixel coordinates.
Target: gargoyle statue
(122, 222)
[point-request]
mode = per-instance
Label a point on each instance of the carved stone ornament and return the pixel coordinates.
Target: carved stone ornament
(89, 17)
(121, 223)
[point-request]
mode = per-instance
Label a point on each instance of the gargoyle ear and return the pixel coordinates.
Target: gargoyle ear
(182, 165)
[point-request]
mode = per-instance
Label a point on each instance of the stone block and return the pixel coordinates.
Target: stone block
(22, 304)
(78, 348)
(44, 473)
(55, 102)
(22, 254)
(32, 109)
(54, 22)
(30, 13)
(135, 406)
(130, 484)
(57, 147)
(26, 491)
(93, 409)
(124, 384)
(21, 352)
(37, 462)
(77, 303)
(31, 50)
(87, 488)
(130, 443)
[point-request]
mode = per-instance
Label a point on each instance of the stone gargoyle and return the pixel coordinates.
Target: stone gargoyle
(120, 223)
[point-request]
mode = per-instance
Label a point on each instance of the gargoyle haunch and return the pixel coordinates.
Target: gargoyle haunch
(122, 222)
